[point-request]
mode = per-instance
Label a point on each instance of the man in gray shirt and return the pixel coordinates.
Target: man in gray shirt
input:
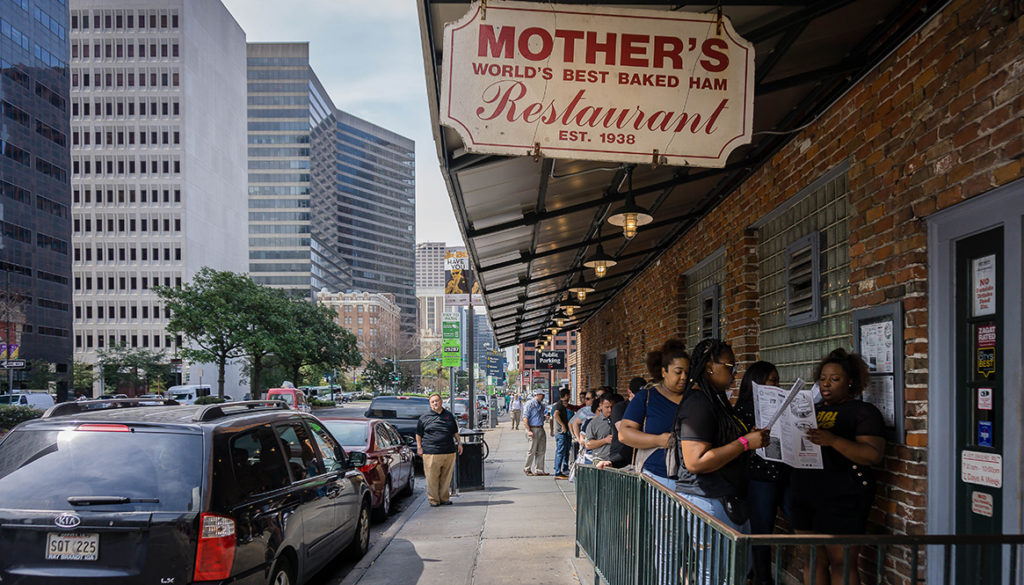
(598, 437)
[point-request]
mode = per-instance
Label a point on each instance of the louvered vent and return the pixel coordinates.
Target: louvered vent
(803, 280)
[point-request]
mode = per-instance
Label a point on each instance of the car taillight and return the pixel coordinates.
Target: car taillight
(465, 416)
(367, 467)
(104, 428)
(215, 553)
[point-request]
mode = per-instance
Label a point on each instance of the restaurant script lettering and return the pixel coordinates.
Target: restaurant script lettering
(597, 83)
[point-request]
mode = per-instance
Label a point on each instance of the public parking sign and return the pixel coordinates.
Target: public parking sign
(551, 360)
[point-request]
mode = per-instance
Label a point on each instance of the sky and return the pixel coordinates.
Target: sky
(369, 58)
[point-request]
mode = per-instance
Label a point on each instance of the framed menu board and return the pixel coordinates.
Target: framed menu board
(878, 338)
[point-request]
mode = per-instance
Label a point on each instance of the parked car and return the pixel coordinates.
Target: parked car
(293, 397)
(247, 492)
(389, 468)
(462, 412)
(36, 400)
(403, 412)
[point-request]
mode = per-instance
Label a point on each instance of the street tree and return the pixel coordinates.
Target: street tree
(41, 374)
(378, 375)
(511, 377)
(264, 335)
(313, 338)
(134, 367)
(213, 314)
(83, 375)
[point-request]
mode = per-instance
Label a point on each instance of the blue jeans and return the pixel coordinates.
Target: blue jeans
(562, 444)
(764, 499)
(705, 560)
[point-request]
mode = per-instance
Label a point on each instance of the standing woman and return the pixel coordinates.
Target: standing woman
(837, 499)
(647, 424)
(768, 481)
(713, 441)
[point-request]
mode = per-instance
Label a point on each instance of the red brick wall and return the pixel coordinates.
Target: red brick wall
(940, 121)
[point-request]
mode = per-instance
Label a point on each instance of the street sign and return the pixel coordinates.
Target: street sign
(450, 330)
(551, 360)
(451, 353)
(12, 364)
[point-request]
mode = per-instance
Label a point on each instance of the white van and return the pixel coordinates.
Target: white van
(188, 393)
(36, 400)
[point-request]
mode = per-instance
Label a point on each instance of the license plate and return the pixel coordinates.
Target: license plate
(61, 546)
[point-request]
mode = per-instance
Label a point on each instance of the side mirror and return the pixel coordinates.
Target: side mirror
(356, 459)
(411, 441)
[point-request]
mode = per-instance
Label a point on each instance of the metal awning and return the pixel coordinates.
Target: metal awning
(529, 223)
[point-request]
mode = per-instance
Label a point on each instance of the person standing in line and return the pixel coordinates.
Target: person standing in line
(768, 483)
(559, 424)
(598, 438)
(517, 411)
(437, 442)
(838, 498)
(534, 415)
(621, 454)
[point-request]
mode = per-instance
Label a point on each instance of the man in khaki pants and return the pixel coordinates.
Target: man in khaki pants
(437, 442)
(534, 415)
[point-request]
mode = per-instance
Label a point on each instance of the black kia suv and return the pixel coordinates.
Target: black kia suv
(117, 492)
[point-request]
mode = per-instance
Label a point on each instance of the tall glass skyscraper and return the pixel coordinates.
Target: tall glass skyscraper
(377, 211)
(35, 287)
(292, 184)
(332, 201)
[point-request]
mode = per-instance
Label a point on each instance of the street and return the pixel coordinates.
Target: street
(336, 572)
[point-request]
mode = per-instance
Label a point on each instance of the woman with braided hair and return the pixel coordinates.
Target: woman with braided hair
(713, 440)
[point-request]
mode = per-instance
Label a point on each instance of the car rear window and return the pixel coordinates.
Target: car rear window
(348, 433)
(287, 398)
(408, 408)
(41, 469)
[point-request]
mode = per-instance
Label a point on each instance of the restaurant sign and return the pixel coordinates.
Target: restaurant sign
(598, 83)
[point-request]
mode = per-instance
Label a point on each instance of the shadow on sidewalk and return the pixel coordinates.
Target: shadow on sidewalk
(485, 503)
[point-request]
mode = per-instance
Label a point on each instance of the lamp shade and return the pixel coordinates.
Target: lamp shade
(600, 262)
(581, 288)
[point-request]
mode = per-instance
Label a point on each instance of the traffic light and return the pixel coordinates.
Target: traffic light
(397, 377)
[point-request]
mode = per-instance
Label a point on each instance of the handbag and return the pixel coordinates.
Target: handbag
(736, 509)
(640, 455)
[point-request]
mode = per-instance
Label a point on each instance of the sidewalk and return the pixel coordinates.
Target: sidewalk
(517, 530)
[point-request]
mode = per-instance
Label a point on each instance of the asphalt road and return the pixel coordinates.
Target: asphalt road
(336, 572)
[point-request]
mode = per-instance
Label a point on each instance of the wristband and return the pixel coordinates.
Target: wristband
(746, 444)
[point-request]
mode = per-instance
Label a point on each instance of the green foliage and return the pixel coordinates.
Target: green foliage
(321, 403)
(313, 338)
(511, 376)
(41, 374)
(137, 367)
(214, 313)
(10, 416)
(82, 376)
(210, 400)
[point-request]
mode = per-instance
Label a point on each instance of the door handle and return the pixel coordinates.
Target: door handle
(333, 491)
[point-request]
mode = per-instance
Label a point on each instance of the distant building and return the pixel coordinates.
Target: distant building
(35, 291)
(158, 163)
(532, 377)
(293, 189)
(429, 295)
(374, 318)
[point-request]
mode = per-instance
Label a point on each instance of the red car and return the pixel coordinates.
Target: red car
(389, 460)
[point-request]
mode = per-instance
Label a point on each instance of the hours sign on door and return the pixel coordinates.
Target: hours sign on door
(598, 83)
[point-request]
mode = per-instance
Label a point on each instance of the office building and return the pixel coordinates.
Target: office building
(531, 375)
(158, 163)
(293, 224)
(376, 210)
(35, 304)
(429, 295)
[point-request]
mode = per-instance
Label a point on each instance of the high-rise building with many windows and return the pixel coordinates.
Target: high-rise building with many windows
(429, 295)
(377, 211)
(293, 153)
(158, 162)
(35, 287)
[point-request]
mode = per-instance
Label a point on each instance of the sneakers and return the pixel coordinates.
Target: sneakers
(541, 473)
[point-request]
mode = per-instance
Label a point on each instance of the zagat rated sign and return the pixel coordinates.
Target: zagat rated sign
(597, 83)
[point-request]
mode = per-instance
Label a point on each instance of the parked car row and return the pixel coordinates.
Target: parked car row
(250, 492)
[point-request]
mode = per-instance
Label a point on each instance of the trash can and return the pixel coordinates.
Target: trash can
(470, 464)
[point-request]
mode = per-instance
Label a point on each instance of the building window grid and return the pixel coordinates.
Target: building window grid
(795, 350)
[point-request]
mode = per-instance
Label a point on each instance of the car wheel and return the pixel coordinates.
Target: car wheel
(282, 574)
(361, 539)
(382, 512)
(409, 485)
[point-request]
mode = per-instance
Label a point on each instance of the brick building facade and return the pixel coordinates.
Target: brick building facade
(938, 124)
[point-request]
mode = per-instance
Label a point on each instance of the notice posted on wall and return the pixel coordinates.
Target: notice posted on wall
(789, 415)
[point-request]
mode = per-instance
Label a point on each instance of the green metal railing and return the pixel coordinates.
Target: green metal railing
(636, 532)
